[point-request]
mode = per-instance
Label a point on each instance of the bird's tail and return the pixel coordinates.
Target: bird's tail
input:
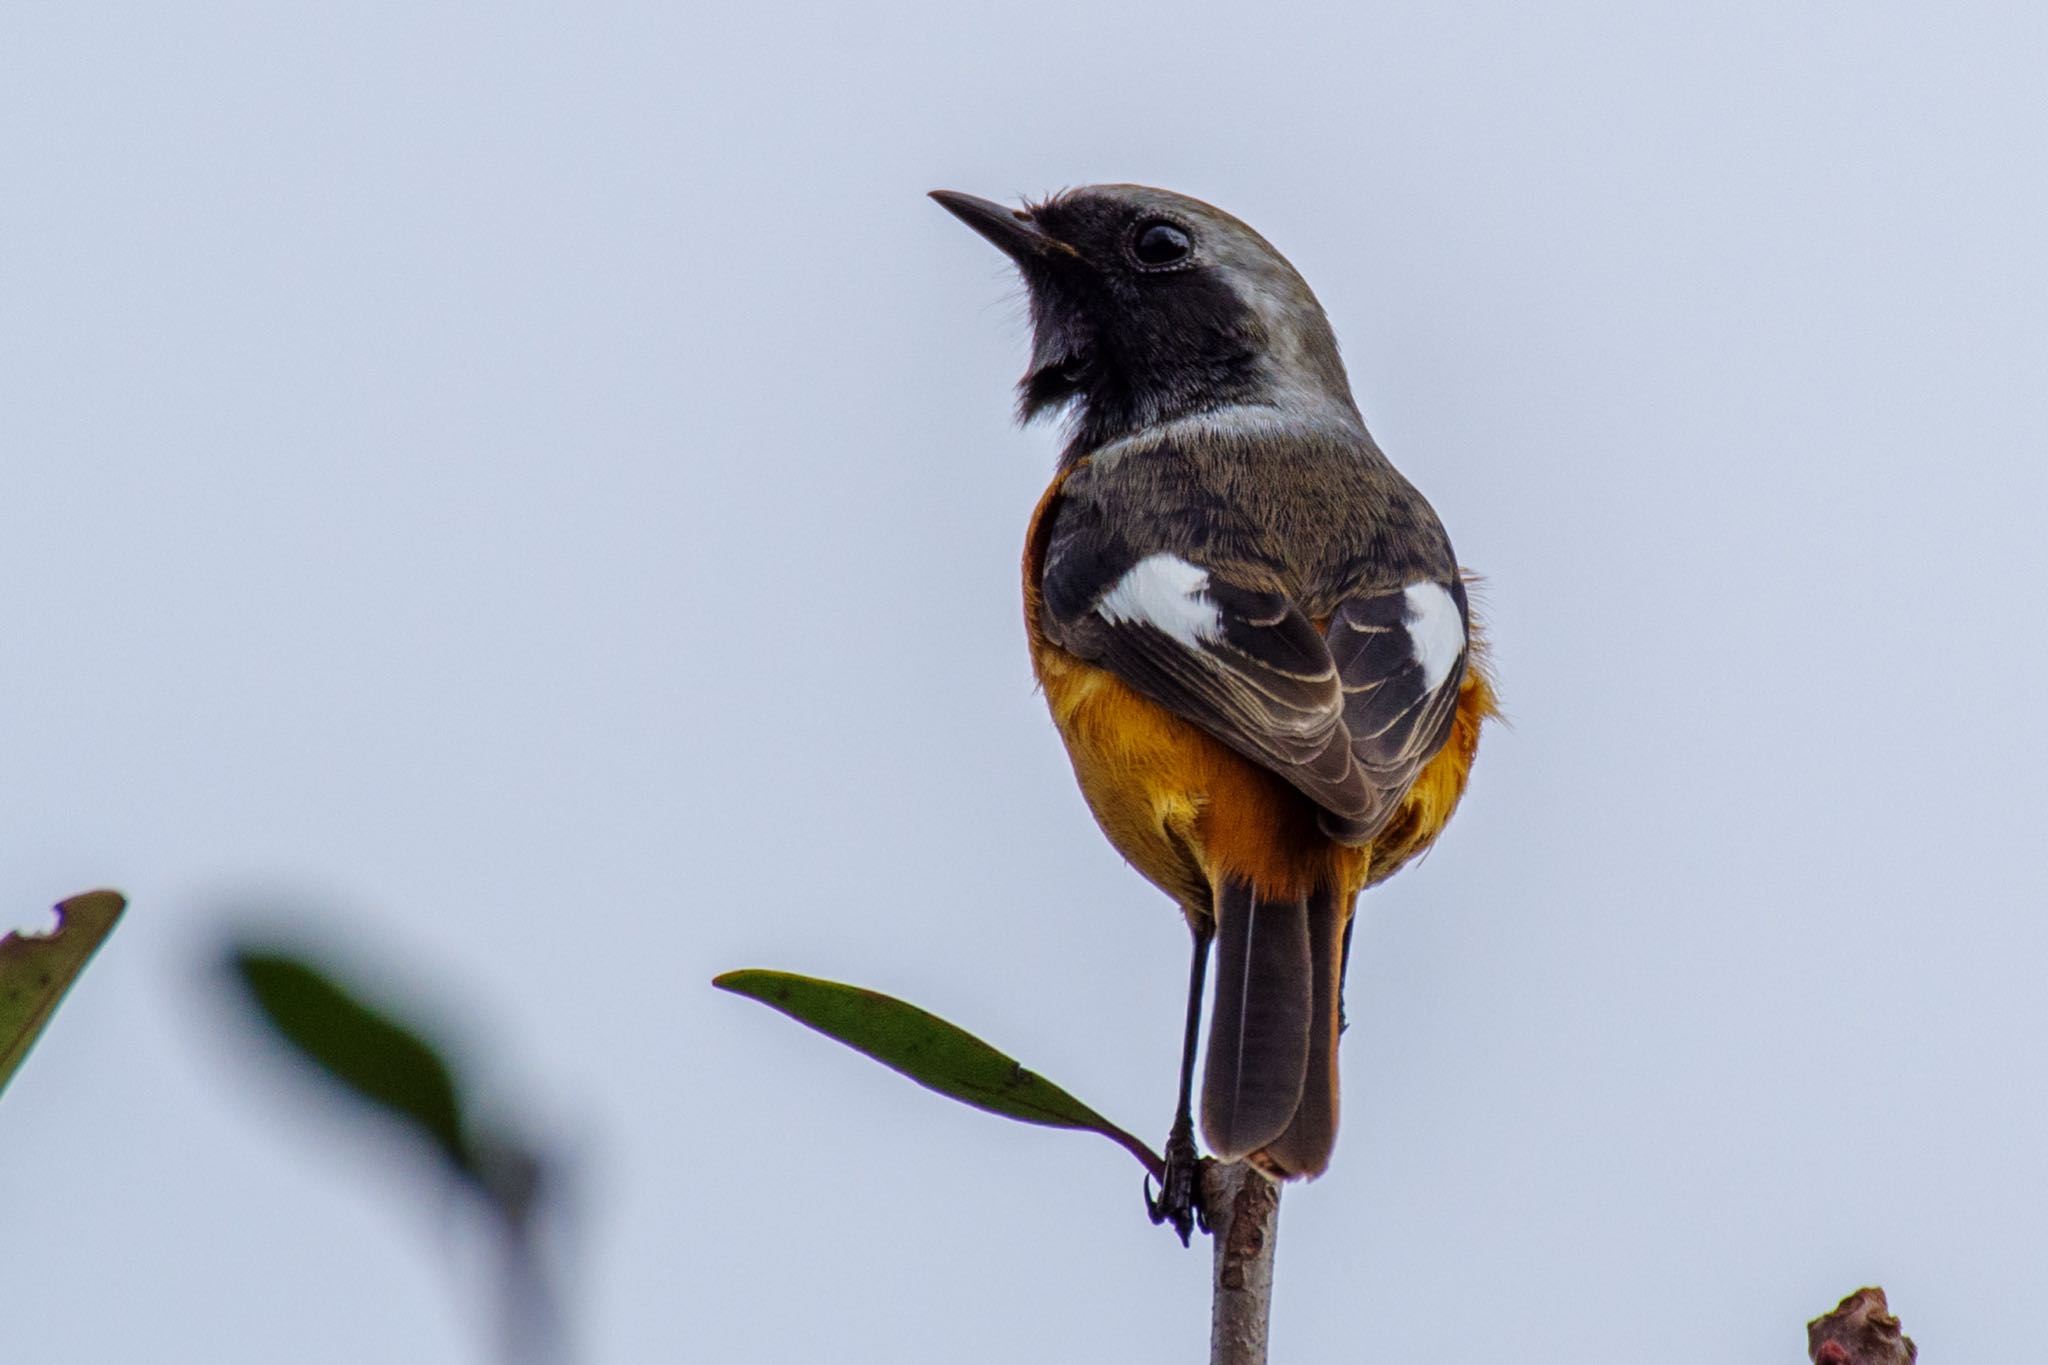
(1304, 1149)
(1269, 1090)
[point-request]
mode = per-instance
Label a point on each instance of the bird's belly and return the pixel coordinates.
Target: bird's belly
(1181, 807)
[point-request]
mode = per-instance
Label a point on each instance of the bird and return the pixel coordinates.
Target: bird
(1251, 630)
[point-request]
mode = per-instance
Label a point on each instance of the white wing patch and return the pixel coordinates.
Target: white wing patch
(1170, 595)
(1436, 633)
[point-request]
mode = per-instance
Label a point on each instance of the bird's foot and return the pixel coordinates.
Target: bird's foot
(1178, 1202)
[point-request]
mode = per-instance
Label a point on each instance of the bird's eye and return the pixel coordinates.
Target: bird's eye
(1159, 243)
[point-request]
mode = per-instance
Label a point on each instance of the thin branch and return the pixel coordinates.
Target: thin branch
(516, 1185)
(1242, 1208)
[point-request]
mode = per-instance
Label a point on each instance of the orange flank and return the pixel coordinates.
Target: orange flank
(1438, 787)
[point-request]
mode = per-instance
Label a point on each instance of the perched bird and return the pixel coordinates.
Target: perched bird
(1250, 628)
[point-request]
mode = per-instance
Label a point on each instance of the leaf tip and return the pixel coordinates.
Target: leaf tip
(103, 904)
(752, 982)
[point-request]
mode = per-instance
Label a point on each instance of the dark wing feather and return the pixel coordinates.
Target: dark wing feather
(1349, 720)
(1263, 683)
(1395, 719)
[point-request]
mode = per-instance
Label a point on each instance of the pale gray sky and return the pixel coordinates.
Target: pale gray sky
(537, 487)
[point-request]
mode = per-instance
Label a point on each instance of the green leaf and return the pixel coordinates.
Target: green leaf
(927, 1049)
(371, 1054)
(36, 970)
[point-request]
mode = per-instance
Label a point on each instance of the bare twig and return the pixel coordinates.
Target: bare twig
(516, 1184)
(1243, 1211)
(1861, 1331)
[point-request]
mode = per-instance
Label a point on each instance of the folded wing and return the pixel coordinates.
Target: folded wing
(1348, 720)
(1401, 656)
(1243, 664)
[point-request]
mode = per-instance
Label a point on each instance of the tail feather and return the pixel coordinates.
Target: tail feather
(1304, 1148)
(1259, 1027)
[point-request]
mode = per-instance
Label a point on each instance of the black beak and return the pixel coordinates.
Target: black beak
(1011, 230)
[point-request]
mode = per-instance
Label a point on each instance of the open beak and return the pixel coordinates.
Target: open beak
(1010, 229)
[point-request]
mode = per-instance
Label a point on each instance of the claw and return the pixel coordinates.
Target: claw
(1162, 1208)
(1176, 1203)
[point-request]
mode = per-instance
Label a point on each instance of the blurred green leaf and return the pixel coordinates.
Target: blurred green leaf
(373, 1055)
(937, 1055)
(36, 970)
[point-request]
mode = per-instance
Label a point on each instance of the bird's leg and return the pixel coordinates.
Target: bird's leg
(1178, 1203)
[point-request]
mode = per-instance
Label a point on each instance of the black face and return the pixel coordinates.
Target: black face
(1135, 324)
